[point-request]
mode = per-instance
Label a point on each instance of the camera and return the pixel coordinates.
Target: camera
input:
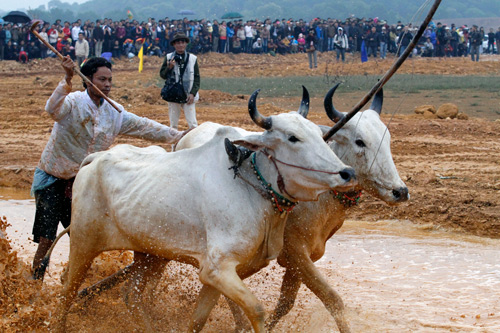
(178, 58)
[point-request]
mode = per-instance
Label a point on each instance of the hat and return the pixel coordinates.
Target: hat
(259, 38)
(340, 28)
(179, 36)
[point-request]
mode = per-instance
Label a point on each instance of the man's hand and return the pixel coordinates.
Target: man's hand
(171, 63)
(68, 65)
(190, 99)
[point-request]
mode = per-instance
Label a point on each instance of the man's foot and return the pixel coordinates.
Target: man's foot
(39, 272)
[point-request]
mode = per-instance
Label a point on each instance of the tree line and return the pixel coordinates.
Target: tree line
(391, 10)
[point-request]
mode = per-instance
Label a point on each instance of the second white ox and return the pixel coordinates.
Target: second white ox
(186, 206)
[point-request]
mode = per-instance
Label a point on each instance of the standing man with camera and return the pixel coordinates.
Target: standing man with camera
(182, 66)
(341, 43)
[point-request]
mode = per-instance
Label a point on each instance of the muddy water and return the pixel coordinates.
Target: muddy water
(393, 277)
(400, 278)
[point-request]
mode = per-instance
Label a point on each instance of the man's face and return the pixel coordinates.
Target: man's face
(180, 46)
(102, 79)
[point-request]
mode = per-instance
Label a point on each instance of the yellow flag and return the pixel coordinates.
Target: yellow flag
(141, 58)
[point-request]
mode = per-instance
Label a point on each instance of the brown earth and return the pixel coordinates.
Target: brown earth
(451, 166)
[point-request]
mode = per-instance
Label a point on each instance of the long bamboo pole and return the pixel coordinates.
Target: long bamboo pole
(387, 75)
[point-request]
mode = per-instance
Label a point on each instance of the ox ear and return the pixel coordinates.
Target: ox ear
(252, 142)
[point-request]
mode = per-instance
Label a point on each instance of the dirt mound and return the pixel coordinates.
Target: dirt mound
(425, 108)
(448, 110)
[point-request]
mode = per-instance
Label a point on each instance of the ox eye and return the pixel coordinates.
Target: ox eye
(293, 138)
(360, 143)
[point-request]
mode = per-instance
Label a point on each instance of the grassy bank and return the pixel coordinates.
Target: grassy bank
(319, 85)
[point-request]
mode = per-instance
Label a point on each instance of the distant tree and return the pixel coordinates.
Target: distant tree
(271, 9)
(89, 15)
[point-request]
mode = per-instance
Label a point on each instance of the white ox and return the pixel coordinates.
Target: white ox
(363, 143)
(186, 206)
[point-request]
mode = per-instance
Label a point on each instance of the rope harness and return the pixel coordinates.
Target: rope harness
(281, 204)
(348, 199)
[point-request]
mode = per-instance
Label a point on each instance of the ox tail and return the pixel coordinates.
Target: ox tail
(40, 270)
(105, 284)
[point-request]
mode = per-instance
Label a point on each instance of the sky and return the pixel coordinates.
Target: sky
(9, 5)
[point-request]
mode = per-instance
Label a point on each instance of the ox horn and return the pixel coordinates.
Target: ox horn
(377, 102)
(264, 122)
(332, 113)
(304, 105)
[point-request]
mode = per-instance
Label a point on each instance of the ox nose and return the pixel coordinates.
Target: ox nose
(347, 174)
(401, 194)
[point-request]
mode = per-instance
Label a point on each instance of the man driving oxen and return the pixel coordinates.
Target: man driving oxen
(84, 123)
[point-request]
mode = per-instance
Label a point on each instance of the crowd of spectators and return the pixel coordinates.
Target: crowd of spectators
(124, 38)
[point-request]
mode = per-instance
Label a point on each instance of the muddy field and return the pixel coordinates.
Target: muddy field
(452, 167)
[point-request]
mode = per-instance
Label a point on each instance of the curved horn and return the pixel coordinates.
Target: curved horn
(264, 122)
(377, 102)
(304, 105)
(332, 113)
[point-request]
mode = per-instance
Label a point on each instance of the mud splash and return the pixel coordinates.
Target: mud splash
(393, 277)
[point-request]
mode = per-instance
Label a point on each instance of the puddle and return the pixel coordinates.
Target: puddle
(392, 276)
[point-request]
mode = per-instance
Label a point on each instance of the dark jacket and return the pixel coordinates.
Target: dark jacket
(98, 34)
(475, 38)
(405, 38)
(372, 39)
(311, 40)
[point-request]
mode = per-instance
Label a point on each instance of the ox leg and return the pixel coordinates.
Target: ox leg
(226, 280)
(315, 281)
(147, 270)
(289, 290)
(207, 299)
(241, 321)
(78, 265)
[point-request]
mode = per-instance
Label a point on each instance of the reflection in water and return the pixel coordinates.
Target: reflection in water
(393, 276)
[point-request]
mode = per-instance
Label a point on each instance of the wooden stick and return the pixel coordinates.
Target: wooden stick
(387, 75)
(74, 68)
